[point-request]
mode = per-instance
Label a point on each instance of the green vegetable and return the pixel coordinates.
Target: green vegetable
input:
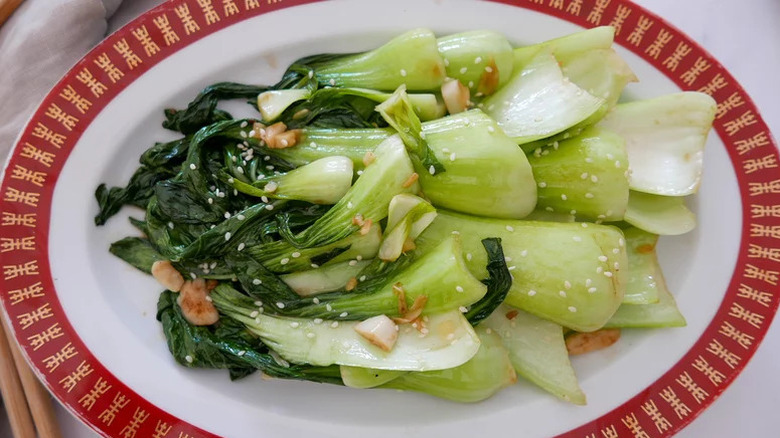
(440, 275)
(646, 285)
(272, 104)
(369, 197)
(498, 283)
(364, 378)
(538, 352)
(229, 346)
(324, 181)
(337, 342)
(567, 47)
(563, 272)
(137, 252)
(317, 143)
(664, 215)
(203, 110)
(585, 176)
(410, 59)
(665, 140)
(481, 59)
(399, 113)
(408, 216)
(539, 102)
(487, 174)
(489, 371)
(325, 279)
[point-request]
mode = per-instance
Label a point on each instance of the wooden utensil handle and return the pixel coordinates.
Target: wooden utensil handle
(13, 393)
(7, 7)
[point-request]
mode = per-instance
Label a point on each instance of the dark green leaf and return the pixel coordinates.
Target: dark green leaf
(202, 111)
(498, 282)
(137, 252)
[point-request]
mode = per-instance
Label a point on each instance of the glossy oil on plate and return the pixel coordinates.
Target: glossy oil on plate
(86, 321)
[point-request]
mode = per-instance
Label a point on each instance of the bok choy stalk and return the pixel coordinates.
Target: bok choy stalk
(323, 343)
(585, 176)
(228, 346)
(644, 267)
(538, 352)
(665, 215)
(482, 60)
(323, 181)
(440, 275)
(486, 173)
(571, 274)
(410, 59)
(539, 102)
(272, 104)
(408, 216)
(665, 139)
(486, 373)
(325, 279)
(318, 143)
(367, 201)
(567, 47)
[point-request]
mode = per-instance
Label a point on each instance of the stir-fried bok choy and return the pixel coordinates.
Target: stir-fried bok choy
(439, 214)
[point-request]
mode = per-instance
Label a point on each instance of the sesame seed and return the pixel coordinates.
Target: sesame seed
(608, 274)
(280, 305)
(577, 239)
(566, 284)
(193, 166)
(602, 258)
(584, 225)
(310, 335)
(358, 257)
(459, 288)
(314, 265)
(523, 253)
(227, 215)
(463, 309)
(243, 134)
(284, 261)
(471, 85)
(243, 124)
(463, 70)
(594, 178)
(542, 185)
(256, 281)
(295, 324)
(211, 200)
(315, 300)
(599, 270)
(213, 265)
(562, 293)
(259, 303)
(564, 197)
(621, 242)
(269, 207)
(403, 72)
(170, 225)
(573, 212)
(511, 268)
(343, 315)
(241, 246)
(477, 60)
(588, 160)
(550, 209)
(271, 187)
(584, 175)
(615, 251)
(252, 134)
(491, 129)
(318, 320)
(352, 262)
(432, 170)
(362, 278)
(572, 309)
(452, 156)
(254, 314)
(446, 62)
(610, 157)
(617, 266)
(295, 255)
(588, 282)
(328, 307)
(531, 293)
(227, 235)
(469, 256)
(240, 170)
(510, 228)
(456, 232)
(359, 172)
(193, 276)
(334, 324)
(617, 163)
(589, 195)
(332, 82)
(188, 358)
(591, 290)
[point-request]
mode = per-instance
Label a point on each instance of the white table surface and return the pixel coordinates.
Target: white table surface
(744, 37)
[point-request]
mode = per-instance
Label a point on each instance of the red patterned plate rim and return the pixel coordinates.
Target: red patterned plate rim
(98, 398)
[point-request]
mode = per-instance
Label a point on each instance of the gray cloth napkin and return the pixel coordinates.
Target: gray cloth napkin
(38, 44)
